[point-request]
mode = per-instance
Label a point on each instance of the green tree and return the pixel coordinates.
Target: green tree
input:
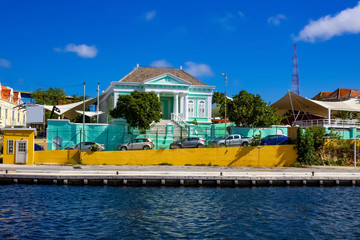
(139, 109)
(344, 115)
(309, 144)
(56, 96)
(249, 110)
(219, 100)
(318, 134)
(52, 96)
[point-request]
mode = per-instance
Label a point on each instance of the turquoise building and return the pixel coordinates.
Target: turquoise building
(183, 97)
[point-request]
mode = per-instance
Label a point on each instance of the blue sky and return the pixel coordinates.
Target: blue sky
(64, 43)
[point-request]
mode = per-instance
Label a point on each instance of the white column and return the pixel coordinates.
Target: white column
(182, 104)
(209, 108)
(186, 107)
(176, 103)
(157, 94)
(329, 116)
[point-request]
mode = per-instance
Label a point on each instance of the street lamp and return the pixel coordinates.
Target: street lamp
(223, 74)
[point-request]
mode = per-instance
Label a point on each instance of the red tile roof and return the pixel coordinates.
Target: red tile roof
(339, 94)
(6, 95)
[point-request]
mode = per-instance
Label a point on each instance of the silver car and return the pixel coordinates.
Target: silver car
(137, 144)
(85, 146)
(190, 142)
(234, 140)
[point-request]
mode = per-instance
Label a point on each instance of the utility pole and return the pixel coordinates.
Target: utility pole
(355, 148)
(97, 105)
(223, 74)
(295, 74)
(83, 117)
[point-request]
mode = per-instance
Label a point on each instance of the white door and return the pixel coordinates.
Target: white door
(21, 151)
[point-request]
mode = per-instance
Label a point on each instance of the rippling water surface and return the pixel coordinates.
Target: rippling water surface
(66, 212)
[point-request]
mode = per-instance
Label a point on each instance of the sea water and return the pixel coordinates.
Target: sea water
(69, 212)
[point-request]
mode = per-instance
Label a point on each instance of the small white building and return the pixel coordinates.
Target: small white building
(183, 97)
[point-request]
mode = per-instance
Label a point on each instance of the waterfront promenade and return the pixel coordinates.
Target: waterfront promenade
(136, 175)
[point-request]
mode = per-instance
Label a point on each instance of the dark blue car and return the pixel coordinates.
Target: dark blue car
(275, 140)
(37, 147)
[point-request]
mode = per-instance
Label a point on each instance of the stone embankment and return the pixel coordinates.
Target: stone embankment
(176, 176)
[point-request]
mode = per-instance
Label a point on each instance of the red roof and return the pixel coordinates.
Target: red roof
(6, 95)
(339, 94)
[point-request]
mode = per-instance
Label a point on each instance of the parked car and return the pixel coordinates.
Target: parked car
(234, 140)
(275, 140)
(37, 147)
(190, 142)
(85, 146)
(137, 144)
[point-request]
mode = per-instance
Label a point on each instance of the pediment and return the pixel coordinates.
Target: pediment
(167, 79)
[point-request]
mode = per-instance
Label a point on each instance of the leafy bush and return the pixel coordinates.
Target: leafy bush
(309, 145)
(94, 148)
(256, 139)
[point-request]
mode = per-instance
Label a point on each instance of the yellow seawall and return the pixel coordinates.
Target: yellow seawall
(56, 156)
(262, 156)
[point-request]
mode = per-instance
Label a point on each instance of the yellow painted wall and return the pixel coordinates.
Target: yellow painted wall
(262, 156)
(56, 156)
(18, 135)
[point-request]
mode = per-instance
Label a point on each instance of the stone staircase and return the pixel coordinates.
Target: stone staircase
(160, 128)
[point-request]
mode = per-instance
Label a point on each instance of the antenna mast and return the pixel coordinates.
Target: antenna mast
(295, 74)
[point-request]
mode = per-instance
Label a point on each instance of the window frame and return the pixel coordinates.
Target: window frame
(10, 146)
(191, 106)
(201, 110)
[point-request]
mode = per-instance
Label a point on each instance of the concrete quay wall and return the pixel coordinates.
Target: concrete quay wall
(188, 180)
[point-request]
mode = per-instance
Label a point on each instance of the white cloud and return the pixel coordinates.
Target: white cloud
(276, 20)
(150, 15)
(4, 63)
(228, 21)
(161, 63)
(347, 21)
(198, 69)
(81, 50)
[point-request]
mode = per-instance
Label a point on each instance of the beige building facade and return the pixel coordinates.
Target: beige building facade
(10, 113)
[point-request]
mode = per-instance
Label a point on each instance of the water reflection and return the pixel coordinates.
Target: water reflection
(65, 212)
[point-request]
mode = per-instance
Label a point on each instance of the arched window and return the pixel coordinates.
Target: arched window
(191, 108)
(57, 143)
(201, 109)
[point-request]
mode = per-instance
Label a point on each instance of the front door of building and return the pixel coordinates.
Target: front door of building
(21, 151)
(166, 106)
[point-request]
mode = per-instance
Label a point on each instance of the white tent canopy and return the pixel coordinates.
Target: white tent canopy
(292, 101)
(90, 113)
(70, 110)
